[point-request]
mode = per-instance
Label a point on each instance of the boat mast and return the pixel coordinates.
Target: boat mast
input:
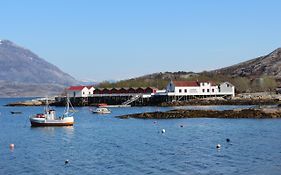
(67, 106)
(47, 105)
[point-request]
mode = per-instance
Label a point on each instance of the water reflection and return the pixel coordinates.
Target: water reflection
(67, 130)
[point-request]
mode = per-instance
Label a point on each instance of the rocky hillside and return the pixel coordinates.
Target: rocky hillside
(158, 80)
(256, 75)
(268, 65)
(23, 73)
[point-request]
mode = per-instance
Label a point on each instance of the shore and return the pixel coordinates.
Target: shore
(259, 113)
(193, 102)
(221, 101)
(33, 102)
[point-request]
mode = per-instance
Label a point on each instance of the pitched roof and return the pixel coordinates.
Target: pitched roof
(185, 83)
(76, 88)
(89, 87)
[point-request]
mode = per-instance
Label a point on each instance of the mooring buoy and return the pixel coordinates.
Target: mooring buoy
(218, 146)
(12, 146)
(66, 161)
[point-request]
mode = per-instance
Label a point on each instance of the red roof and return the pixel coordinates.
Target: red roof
(76, 88)
(186, 83)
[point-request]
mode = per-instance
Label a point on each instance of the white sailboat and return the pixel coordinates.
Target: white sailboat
(49, 118)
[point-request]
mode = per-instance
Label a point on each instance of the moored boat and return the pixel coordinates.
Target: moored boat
(49, 118)
(16, 112)
(101, 111)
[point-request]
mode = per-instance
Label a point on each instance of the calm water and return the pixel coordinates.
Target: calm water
(103, 144)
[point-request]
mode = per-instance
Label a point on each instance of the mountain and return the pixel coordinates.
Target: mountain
(23, 73)
(268, 65)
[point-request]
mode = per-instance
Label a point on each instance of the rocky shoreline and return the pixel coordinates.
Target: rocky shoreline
(260, 113)
(205, 102)
(34, 102)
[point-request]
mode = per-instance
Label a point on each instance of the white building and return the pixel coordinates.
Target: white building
(80, 91)
(195, 88)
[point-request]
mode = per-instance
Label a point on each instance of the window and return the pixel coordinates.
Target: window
(213, 90)
(203, 90)
(179, 90)
(83, 93)
(227, 85)
(208, 90)
(185, 90)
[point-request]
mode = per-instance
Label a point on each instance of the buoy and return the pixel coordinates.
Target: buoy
(218, 146)
(66, 161)
(163, 131)
(154, 122)
(12, 146)
(181, 126)
(227, 140)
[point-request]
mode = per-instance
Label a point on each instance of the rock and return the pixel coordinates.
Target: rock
(243, 113)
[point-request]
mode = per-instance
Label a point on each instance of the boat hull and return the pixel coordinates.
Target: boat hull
(38, 122)
(101, 111)
(94, 112)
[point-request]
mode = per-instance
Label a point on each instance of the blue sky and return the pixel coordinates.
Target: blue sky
(105, 40)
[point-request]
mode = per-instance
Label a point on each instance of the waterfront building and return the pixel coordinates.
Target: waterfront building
(80, 91)
(199, 89)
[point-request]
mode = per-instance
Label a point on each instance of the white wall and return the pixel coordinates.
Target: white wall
(83, 93)
(170, 87)
(205, 88)
(227, 88)
(91, 91)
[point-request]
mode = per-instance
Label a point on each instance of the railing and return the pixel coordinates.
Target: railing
(134, 98)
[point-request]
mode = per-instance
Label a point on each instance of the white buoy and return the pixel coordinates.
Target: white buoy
(12, 146)
(218, 146)
(163, 131)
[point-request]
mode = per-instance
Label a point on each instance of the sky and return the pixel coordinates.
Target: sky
(114, 40)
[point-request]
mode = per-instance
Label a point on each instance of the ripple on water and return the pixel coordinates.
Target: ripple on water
(106, 145)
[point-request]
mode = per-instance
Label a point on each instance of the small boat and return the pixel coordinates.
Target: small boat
(101, 111)
(16, 112)
(49, 118)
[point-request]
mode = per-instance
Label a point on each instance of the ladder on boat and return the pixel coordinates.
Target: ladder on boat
(131, 100)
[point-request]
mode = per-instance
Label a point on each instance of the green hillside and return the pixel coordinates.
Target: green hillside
(160, 80)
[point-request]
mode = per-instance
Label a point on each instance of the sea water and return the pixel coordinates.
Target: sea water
(104, 144)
